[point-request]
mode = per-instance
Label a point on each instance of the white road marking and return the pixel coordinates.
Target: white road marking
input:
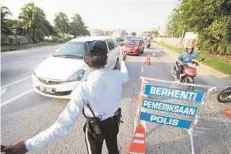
(19, 62)
(17, 81)
(16, 97)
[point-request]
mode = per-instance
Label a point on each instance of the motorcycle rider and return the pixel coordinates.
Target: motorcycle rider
(183, 58)
(148, 42)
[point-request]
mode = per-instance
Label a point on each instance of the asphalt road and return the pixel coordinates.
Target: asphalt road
(25, 113)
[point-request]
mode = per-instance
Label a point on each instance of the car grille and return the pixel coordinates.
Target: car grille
(49, 81)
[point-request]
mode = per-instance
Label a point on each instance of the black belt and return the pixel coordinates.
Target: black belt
(117, 113)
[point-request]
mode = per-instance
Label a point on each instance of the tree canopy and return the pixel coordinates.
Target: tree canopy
(77, 26)
(5, 28)
(133, 33)
(61, 23)
(210, 19)
(32, 23)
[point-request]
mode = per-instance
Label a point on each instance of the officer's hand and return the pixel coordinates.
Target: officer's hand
(18, 148)
(124, 55)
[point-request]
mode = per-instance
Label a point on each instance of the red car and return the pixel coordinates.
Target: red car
(134, 47)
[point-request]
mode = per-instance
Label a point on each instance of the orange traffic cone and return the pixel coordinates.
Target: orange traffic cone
(227, 112)
(138, 144)
(148, 61)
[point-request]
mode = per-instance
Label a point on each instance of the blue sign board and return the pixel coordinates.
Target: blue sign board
(169, 107)
(164, 120)
(188, 95)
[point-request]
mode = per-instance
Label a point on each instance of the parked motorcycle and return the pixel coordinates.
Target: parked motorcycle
(225, 95)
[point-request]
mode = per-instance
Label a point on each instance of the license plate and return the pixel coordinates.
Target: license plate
(46, 89)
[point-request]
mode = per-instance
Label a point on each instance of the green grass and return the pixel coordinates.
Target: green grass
(6, 48)
(210, 60)
(218, 65)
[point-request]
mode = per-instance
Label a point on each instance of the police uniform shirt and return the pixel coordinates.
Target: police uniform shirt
(102, 91)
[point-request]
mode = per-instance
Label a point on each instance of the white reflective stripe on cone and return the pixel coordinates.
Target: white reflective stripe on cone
(138, 141)
(139, 135)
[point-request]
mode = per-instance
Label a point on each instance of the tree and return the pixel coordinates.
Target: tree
(211, 19)
(34, 22)
(176, 25)
(155, 32)
(61, 23)
(5, 28)
(77, 26)
(133, 33)
(16, 26)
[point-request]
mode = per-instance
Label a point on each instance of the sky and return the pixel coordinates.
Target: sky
(131, 15)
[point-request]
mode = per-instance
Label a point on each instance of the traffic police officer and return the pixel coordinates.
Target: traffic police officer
(98, 98)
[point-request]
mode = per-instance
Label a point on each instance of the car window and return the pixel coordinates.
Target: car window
(111, 44)
(132, 42)
(72, 48)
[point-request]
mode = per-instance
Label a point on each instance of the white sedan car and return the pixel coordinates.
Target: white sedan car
(61, 73)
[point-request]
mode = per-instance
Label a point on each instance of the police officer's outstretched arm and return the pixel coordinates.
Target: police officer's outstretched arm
(57, 130)
(123, 68)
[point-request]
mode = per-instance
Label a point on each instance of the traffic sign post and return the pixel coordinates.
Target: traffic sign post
(183, 113)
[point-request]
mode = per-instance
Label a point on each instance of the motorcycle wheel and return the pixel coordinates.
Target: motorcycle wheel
(185, 79)
(224, 95)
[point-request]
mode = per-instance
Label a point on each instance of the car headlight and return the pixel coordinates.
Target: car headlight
(76, 76)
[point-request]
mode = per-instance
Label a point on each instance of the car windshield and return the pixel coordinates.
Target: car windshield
(72, 49)
(132, 42)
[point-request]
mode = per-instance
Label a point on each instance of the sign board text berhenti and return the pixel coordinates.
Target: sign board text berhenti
(189, 96)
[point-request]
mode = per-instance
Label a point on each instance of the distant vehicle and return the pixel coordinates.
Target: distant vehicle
(59, 74)
(134, 46)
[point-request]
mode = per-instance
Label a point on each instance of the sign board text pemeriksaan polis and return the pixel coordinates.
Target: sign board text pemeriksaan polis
(180, 94)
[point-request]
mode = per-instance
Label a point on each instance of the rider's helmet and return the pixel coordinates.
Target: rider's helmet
(189, 49)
